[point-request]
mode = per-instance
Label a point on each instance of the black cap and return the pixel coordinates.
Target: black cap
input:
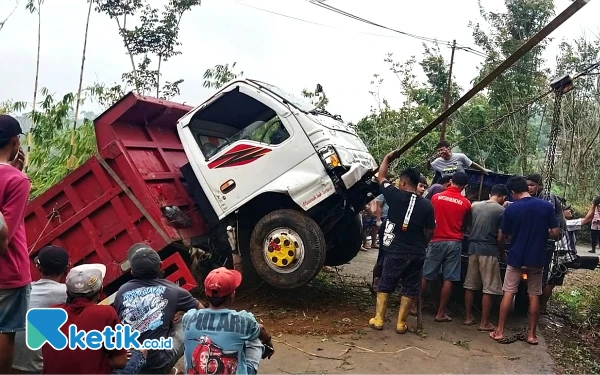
(9, 127)
(53, 258)
(143, 260)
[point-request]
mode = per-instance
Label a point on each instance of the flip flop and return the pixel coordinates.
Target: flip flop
(447, 319)
(471, 323)
(487, 329)
(494, 337)
(532, 342)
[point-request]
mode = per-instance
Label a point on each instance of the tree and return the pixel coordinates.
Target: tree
(155, 34)
(386, 129)
(71, 160)
(508, 31)
(51, 139)
(35, 6)
(219, 75)
(578, 173)
(3, 22)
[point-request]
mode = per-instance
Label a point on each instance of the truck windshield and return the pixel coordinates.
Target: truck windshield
(301, 103)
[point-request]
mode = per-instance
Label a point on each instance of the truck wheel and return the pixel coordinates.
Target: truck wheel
(287, 249)
(347, 243)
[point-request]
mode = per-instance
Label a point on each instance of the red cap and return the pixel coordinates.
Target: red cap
(222, 282)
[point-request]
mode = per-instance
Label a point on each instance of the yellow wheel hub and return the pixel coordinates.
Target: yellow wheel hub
(282, 250)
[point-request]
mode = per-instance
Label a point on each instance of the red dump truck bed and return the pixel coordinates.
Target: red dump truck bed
(117, 197)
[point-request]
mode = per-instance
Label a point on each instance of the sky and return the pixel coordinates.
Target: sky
(302, 46)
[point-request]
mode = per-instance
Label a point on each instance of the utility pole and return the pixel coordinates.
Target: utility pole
(448, 91)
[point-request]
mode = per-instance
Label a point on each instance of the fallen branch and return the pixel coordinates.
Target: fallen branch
(309, 353)
(395, 352)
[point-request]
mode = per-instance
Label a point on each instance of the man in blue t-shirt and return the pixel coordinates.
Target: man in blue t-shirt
(217, 338)
(527, 224)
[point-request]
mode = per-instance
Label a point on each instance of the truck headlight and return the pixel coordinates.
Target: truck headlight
(347, 158)
(330, 157)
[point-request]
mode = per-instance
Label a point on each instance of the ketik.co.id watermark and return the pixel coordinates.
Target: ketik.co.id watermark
(44, 324)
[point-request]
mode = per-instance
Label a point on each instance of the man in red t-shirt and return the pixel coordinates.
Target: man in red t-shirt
(84, 286)
(15, 275)
(452, 212)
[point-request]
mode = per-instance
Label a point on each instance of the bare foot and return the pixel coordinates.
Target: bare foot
(469, 322)
(443, 318)
(487, 327)
(532, 340)
(496, 335)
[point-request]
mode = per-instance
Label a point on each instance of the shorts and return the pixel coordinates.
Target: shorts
(445, 256)
(549, 255)
(483, 273)
(369, 222)
(381, 251)
(556, 275)
(404, 269)
(14, 304)
(513, 277)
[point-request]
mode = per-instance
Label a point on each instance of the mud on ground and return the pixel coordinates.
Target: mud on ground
(331, 304)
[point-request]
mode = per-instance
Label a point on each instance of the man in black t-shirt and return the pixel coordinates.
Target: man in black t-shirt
(409, 228)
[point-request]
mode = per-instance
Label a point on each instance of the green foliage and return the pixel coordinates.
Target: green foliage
(10, 106)
(49, 152)
(315, 99)
(217, 77)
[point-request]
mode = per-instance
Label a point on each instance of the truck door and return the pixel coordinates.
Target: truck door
(258, 140)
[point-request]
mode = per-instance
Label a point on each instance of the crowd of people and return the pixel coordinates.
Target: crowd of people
(212, 339)
(422, 236)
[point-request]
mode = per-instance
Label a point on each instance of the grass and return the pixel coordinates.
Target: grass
(573, 329)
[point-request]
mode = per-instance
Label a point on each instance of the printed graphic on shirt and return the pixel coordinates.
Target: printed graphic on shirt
(209, 358)
(388, 233)
(143, 308)
(451, 170)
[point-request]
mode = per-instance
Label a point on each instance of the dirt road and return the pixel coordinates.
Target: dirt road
(446, 348)
(305, 326)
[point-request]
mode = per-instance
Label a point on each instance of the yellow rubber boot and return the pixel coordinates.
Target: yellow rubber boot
(405, 306)
(379, 319)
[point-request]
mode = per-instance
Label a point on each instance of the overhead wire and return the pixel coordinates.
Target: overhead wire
(419, 37)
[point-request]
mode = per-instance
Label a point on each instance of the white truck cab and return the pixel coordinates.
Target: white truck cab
(282, 179)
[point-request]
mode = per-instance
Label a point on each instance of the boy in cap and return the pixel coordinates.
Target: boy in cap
(149, 305)
(15, 278)
(84, 287)
(52, 263)
(222, 334)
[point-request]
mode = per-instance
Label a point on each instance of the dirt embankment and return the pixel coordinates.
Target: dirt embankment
(572, 327)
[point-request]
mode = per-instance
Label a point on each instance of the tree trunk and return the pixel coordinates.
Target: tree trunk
(129, 51)
(70, 163)
(158, 77)
(35, 88)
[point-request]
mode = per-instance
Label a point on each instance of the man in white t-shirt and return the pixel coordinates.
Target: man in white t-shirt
(52, 262)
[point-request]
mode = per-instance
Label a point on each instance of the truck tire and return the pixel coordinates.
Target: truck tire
(287, 249)
(347, 244)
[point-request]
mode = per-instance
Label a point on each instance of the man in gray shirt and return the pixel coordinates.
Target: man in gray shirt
(485, 246)
(449, 162)
(52, 263)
